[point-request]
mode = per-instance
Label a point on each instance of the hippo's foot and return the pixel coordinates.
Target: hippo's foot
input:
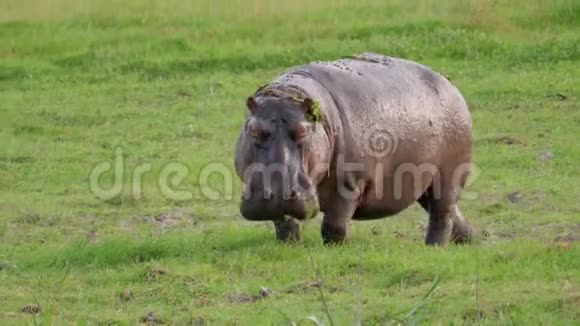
(439, 232)
(334, 234)
(462, 231)
(446, 222)
(336, 222)
(446, 227)
(287, 230)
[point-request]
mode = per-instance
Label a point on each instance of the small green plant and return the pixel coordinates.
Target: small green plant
(314, 115)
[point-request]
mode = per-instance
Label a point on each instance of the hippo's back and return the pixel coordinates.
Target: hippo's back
(414, 104)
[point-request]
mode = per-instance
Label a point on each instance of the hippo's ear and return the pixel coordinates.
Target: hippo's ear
(252, 104)
(311, 110)
(308, 105)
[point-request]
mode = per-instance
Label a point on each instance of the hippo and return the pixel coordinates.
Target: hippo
(362, 137)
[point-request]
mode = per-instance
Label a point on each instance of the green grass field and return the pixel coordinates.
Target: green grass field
(165, 82)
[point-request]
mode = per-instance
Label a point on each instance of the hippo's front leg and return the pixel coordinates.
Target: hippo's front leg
(287, 230)
(336, 221)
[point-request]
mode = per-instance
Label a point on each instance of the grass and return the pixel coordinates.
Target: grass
(165, 82)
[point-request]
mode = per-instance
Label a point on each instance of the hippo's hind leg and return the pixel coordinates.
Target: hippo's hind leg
(287, 230)
(446, 222)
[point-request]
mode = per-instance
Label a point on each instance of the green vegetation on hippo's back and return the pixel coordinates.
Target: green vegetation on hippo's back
(315, 114)
(155, 89)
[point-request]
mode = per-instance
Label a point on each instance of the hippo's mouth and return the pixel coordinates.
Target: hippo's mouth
(260, 209)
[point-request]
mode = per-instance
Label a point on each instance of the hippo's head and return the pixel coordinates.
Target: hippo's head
(277, 157)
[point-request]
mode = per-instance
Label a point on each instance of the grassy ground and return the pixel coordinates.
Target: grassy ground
(165, 82)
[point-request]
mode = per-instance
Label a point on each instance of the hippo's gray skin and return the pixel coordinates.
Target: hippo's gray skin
(393, 132)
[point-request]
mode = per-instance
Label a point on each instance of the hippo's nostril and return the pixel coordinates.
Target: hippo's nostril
(293, 194)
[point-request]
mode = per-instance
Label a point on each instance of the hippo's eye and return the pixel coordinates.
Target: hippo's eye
(258, 133)
(300, 133)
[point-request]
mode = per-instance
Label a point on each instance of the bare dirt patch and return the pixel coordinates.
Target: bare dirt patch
(308, 287)
(202, 301)
(30, 309)
(305, 287)
(246, 298)
(167, 219)
(92, 236)
(568, 239)
(243, 298)
(545, 156)
(560, 227)
(28, 217)
(155, 274)
(151, 319)
(126, 295)
(505, 140)
(515, 197)
(170, 219)
(493, 234)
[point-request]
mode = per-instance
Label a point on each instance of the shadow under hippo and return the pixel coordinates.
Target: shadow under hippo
(359, 138)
